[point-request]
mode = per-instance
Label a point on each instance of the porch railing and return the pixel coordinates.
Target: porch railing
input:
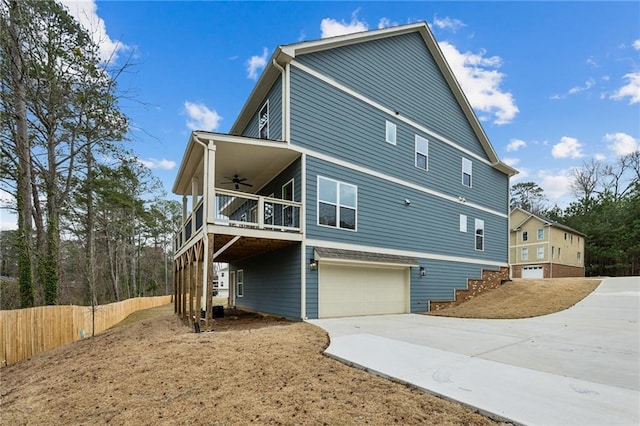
(239, 209)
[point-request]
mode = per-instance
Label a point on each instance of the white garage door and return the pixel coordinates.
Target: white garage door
(361, 290)
(532, 272)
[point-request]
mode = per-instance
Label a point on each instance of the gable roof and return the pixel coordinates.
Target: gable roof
(286, 53)
(547, 221)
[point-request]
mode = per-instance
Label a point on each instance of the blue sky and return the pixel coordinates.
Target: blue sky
(553, 83)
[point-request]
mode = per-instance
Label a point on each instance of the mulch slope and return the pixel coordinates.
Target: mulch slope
(260, 370)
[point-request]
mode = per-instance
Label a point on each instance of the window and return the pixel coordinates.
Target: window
(268, 212)
(422, 153)
(466, 172)
(565, 236)
(240, 283)
(553, 251)
(524, 255)
(463, 223)
(479, 234)
(337, 204)
(541, 234)
(264, 121)
(525, 236)
(287, 211)
(391, 133)
(558, 252)
(578, 256)
(540, 254)
(571, 236)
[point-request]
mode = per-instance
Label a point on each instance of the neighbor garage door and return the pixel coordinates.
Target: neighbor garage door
(347, 290)
(532, 272)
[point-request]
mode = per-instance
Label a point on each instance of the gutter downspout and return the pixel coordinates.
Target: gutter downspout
(285, 136)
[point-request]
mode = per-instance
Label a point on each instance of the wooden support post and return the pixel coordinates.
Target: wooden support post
(208, 257)
(192, 283)
(184, 287)
(175, 286)
(199, 283)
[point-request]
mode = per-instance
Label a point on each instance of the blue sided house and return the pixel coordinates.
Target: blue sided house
(356, 180)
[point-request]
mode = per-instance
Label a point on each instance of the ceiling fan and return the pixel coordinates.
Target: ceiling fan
(236, 181)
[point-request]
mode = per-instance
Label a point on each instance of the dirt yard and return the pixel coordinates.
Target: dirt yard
(524, 298)
(250, 369)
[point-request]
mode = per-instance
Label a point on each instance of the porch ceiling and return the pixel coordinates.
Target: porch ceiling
(246, 247)
(257, 160)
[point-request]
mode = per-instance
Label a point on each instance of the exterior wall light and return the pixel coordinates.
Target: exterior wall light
(423, 272)
(313, 264)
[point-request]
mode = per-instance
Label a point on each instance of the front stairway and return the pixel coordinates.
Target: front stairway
(490, 279)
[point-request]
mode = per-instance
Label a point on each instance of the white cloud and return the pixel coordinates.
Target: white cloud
(556, 186)
(636, 44)
(511, 161)
(523, 175)
(592, 62)
(480, 79)
(153, 163)
(630, 90)
(201, 117)
(448, 23)
(256, 63)
(329, 27)
(386, 23)
(86, 13)
(621, 143)
(567, 148)
(587, 85)
(600, 157)
(515, 144)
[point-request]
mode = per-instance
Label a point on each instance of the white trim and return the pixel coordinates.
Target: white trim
(478, 225)
(287, 74)
(524, 250)
(463, 223)
(536, 243)
(417, 254)
(239, 272)
(303, 281)
(337, 204)
(368, 263)
(398, 181)
(382, 108)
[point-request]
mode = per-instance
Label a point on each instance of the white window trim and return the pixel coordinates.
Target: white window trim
(540, 253)
(467, 172)
(415, 155)
(479, 224)
(240, 283)
(260, 125)
(463, 223)
(388, 127)
(293, 197)
(539, 237)
(337, 204)
(524, 253)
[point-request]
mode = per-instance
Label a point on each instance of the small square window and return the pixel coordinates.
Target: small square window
(467, 168)
(391, 133)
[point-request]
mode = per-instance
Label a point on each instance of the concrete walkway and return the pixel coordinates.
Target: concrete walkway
(576, 367)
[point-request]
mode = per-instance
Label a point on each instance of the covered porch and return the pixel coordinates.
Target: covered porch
(227, 215)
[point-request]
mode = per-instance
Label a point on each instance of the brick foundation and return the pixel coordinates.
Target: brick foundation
(489, 281)
(559, 270)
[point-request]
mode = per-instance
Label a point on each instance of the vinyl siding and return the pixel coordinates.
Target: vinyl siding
(441, 280)
(430, 224)
(400, 73)
(272, 282)
(331, 122)
(275, 114)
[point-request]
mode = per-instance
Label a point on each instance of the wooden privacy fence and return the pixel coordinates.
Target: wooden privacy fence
(25, 332)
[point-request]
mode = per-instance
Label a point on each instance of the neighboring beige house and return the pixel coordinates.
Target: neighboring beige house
(542, 248)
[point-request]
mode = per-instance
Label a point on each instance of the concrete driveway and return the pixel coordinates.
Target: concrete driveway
(576, 367)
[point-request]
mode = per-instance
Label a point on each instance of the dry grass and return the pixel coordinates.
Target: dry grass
(524, 298)
(251, 369)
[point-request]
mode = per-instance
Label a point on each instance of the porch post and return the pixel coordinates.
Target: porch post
(261, 212)
(192, 283)
(210, 182)
(199, 284)
(208, 257)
